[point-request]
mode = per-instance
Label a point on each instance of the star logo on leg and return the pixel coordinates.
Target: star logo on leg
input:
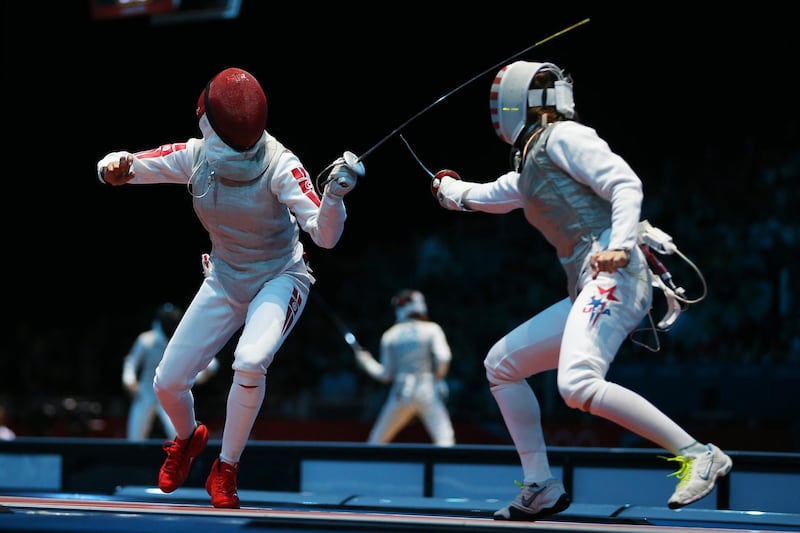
(597, 304)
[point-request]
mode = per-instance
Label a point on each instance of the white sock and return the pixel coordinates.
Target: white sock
(244, 402)
(694, 449)
(631, 411)
(523, 418)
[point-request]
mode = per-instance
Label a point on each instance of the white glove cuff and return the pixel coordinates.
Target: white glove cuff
(451, 194)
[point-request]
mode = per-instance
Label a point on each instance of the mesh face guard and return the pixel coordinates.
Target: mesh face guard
(409, 303)
(510, 97)
(236, 108)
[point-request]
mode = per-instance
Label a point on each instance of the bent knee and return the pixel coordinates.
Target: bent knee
(250, 360)
(499, 369)
(579, 393)
(165, 385)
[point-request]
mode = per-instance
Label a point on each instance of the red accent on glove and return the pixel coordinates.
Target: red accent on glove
(437, 180)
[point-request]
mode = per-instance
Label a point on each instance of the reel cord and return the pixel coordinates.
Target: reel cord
(671, 292)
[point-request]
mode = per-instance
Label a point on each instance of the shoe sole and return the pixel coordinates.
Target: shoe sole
(722, 472)
(515, 514)
(219, 506)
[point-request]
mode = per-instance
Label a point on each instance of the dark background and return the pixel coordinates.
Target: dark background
(703, 106)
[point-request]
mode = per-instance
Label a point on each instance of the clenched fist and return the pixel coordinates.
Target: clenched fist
(117, 171)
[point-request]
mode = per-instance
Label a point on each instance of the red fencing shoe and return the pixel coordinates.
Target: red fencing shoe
(221, 485)
(180, 455)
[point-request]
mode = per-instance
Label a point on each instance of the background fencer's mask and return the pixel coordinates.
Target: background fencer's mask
(168, 316)
(409, 303)
(511, 96)
(236, 108)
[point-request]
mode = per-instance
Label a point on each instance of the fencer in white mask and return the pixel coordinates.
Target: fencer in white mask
(586, 201)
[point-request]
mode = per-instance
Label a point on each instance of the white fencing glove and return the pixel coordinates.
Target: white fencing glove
(449, 190)
(346, 171)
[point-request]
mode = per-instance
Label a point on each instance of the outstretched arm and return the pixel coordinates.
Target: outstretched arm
(497, 197)
(116, 168)
(369, 365)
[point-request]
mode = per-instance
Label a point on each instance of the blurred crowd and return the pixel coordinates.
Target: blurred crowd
(733, 214)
